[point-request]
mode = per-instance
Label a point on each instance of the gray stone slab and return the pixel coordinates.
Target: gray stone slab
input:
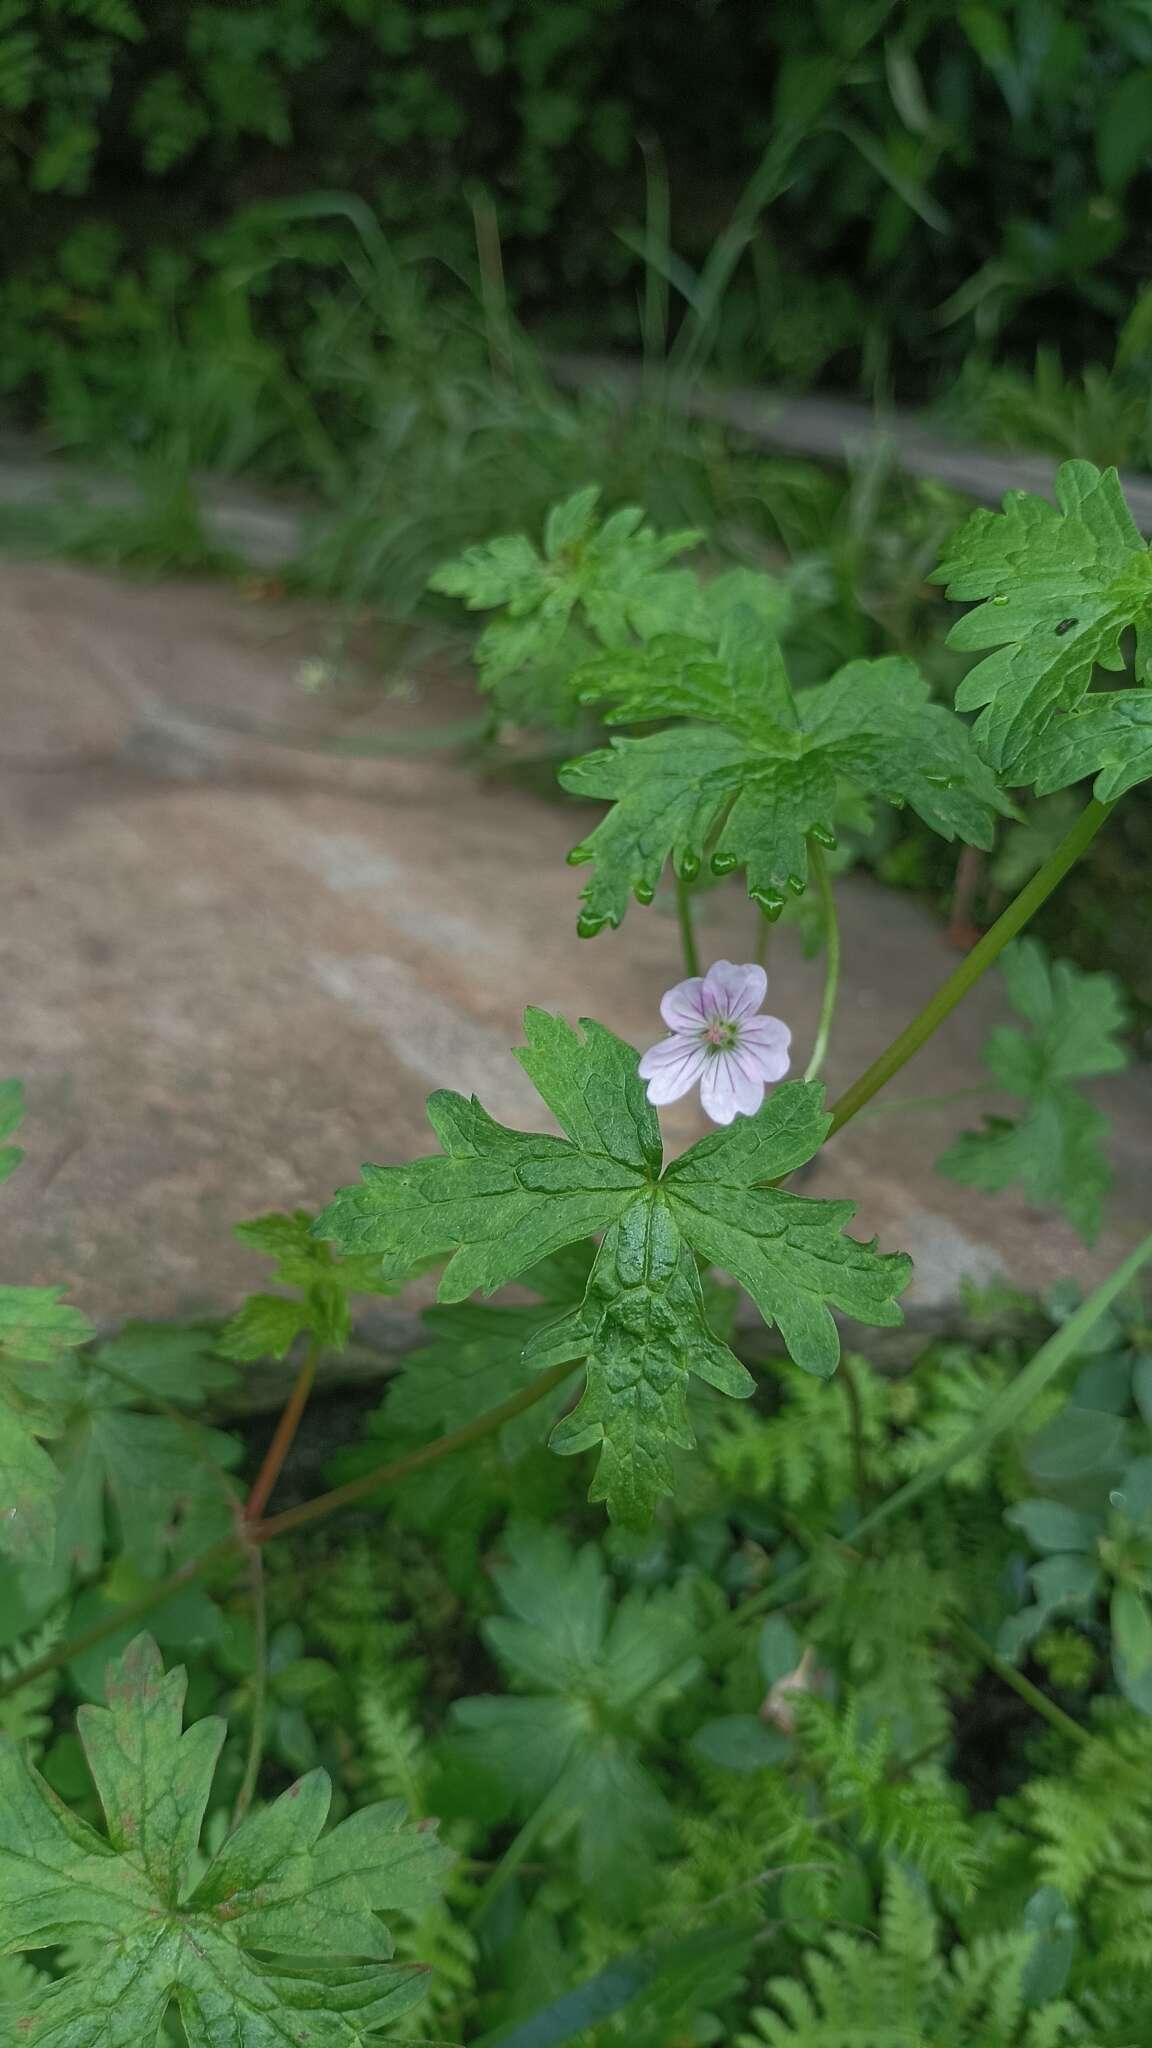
(843, 430)
(233, 969)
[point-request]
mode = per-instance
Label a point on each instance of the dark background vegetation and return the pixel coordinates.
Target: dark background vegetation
(914, 187)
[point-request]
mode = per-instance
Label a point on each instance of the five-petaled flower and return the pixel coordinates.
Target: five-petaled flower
(719, 1041)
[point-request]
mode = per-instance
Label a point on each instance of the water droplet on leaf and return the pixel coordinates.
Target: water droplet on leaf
(588, 924)
(797, 884)
(770, 901)
(723, 863)
(688, 865)
(824, 836)
(579, 855)
(644, 892)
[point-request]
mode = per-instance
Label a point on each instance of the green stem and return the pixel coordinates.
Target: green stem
(851, 1386)
(354, 1490)
(763, 945)
(1064, 1345)
(226, 1551)
(259, 1689)
(897, 1103)
(977, 962)
(831, 958)
(515, 1854)
(1037, 1700)
(230, 1548)
(687, 935)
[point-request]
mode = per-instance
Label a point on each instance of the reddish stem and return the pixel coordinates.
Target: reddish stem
(355, 1490)
(283, 1438)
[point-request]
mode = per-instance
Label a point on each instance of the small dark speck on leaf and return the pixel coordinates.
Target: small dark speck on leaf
(1066, 625)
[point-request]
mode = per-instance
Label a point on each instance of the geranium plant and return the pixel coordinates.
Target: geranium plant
(169, 1911)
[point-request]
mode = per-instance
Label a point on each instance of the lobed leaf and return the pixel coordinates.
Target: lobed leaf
(751, 787)
(1054, 1150)
(38, 1383)
(1055, 589)
(221, 1948)
(499, 1200)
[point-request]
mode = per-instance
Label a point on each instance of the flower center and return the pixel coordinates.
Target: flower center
(720, 1034)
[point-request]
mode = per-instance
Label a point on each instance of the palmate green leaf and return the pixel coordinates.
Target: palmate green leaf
(156, 1936)
(478, 1355)
(1054, 1150)
(499, 1200)
(152, 1486)
(38, 1382)
(764, 775)
(608, 574)
(597, 1676)
(11, 1116)
(642, 1329)
(267, 1325)
(1055, 590)
(1110, 737)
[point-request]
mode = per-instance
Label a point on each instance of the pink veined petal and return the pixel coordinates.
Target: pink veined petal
(718, 1089)
(667, 1052)
(671, 1069)
(683, 1007)
(731, 991)
(766, 1041)
(747, 1080)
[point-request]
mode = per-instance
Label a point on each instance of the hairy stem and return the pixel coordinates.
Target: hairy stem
(259, 1688)
(982, 956)
(831, 959)
(231, 1548)
(687, 934)
(283, 1436)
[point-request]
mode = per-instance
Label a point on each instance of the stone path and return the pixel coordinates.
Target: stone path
(267, 530)
(233, 969)
(843, 430)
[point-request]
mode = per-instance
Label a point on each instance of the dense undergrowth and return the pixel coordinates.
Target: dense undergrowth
(867, 192)
(836, 1820)
(678, 1677)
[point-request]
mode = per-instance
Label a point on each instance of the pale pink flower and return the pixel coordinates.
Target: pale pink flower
(719, 1041)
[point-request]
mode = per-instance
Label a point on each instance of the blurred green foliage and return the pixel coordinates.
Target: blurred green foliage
(851, 190)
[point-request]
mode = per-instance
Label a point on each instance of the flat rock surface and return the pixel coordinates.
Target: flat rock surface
(235, 965)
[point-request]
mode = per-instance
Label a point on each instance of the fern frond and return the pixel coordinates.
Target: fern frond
(1096, 1825)
(392, 1745)
(439, 1938)
(25, 1715)
(803, 1454)
(915, 1817)
(906, 1993)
